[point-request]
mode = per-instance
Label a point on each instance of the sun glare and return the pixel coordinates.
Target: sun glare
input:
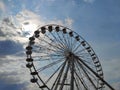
(28, 28)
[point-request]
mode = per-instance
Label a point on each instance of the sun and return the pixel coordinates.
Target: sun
(28, 28)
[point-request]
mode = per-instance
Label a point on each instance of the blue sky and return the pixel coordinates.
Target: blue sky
(98, 21)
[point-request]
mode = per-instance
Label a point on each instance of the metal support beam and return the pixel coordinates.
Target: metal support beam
(94, 73)
(72, 74)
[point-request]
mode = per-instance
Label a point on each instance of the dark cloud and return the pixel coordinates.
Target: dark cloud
(1, 33)
(9, 47)
(5, 86)
(8, 22)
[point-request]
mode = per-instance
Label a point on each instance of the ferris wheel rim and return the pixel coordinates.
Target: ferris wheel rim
(85, 42)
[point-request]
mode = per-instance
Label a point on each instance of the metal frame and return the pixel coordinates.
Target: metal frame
(60, 59)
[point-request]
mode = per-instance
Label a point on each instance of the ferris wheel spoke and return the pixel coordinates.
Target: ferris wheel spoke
(49, 65)
(74, 43)
(61, 40)
(48, 55)
(84, 55)
(97, 75)
(77, 84)
(69, 41)
(88, 62)
(54, 73)
(66, 43)
(86, 74)
(41, 55)
(53, 53)
(41, 47)
(58, 53)
(50, 44)
(94, 78)
(57, 80)
(80, 77)
(76, 48)
(47, 59)
(54, 50)
(85, 58)
(72, 70)
(64, 77)
(80, 51)
(82, 82)
(58, 38)
(59, 44)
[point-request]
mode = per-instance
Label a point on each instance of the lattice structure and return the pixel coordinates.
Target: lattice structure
(60, 59)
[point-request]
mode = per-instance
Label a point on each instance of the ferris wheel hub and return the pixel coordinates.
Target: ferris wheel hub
(69, 54)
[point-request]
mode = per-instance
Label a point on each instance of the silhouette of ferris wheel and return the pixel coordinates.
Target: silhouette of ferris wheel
(60, 59)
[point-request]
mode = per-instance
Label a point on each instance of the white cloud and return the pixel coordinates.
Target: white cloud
(13, 28)
(13, 68)
(109, 60)
(89, 1)
(2, 6)
(69, 21)
(111, 67)
(26, 22)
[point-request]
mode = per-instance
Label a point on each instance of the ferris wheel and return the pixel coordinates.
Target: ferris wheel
(60, 59)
